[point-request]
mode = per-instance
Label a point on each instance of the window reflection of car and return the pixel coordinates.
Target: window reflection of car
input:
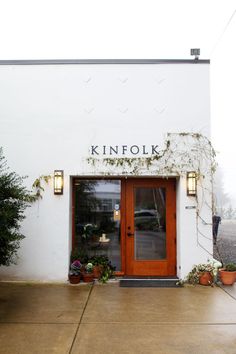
(147, 220)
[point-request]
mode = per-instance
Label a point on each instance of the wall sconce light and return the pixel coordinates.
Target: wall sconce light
(58, 182)
(192, 184)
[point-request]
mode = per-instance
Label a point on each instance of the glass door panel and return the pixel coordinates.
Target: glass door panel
(150, 223)
(150, 227)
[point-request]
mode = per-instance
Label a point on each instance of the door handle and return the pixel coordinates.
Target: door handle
(130, 234)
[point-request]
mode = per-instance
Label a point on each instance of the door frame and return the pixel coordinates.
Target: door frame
(167, 266)
(123, 223)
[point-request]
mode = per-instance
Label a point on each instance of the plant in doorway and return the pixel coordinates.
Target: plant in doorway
(103, 269)
(88, 273)
(75, 272)
(98, 262)
(107, 269)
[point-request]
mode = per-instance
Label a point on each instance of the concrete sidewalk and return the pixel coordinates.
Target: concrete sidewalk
(106, 319)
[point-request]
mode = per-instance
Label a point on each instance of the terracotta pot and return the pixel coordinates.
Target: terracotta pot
(88, 277)
(97, 271)
(226, 277)
(206, 279)
(74, 279)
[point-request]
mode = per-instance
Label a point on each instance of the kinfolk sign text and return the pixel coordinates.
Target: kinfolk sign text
(112, 150)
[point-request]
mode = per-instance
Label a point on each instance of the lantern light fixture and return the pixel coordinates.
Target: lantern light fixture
(58, 181)
(192, 184)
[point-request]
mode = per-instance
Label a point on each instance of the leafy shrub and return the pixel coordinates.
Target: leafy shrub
(196, 272)
(14, 199)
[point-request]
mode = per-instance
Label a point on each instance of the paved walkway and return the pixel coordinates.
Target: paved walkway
(106, 319)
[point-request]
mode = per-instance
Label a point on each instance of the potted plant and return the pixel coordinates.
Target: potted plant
(228, 274)
(107, 269)
(75, 272)
(88, 273)
(97, 266)
(202, 274)
(103, 269)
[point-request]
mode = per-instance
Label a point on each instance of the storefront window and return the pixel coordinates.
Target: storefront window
(97, 219)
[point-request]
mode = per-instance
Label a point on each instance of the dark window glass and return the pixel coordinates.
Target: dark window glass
(97, 218)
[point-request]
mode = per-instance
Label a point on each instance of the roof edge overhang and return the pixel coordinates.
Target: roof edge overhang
(102, 61)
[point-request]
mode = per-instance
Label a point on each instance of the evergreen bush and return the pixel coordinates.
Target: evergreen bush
(14, 199)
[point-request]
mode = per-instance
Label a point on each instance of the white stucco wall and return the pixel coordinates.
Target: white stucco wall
(50, 115)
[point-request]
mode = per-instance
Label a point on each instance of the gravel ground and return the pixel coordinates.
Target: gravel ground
(225, 248)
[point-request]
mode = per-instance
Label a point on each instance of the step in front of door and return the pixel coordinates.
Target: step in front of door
(149, 282)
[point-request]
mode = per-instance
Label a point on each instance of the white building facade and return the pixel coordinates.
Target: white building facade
(125, 133)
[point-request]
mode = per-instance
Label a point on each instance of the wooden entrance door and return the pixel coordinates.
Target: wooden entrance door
(150, 227)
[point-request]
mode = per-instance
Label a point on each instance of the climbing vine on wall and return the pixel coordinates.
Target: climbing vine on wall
(38, 187)
(182, 152)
